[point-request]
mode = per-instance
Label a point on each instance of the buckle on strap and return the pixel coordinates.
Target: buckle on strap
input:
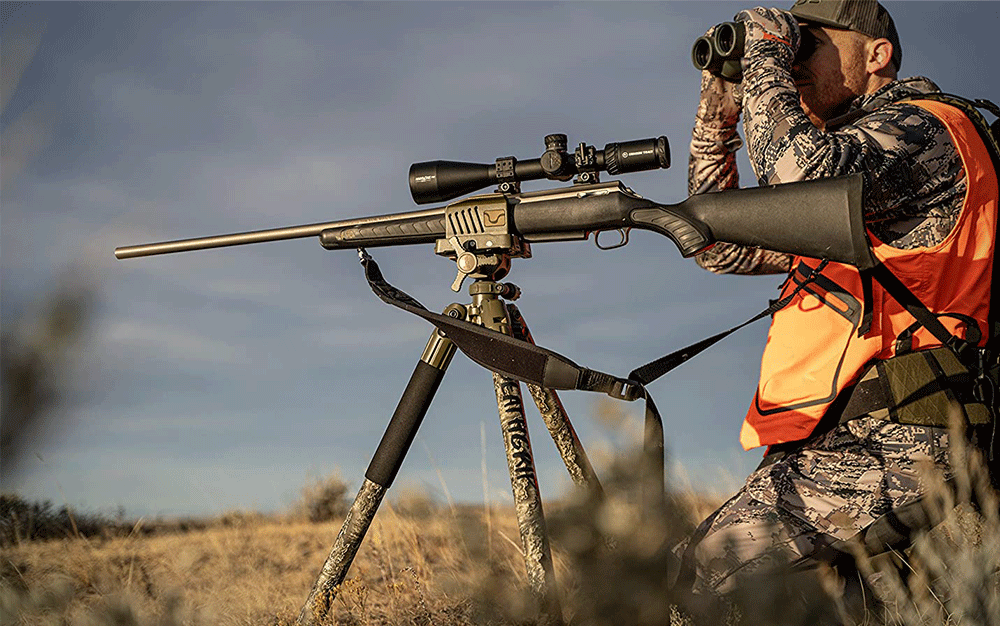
(627, 390)
(964, 350)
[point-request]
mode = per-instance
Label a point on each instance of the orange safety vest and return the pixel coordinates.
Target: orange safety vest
(813, 349)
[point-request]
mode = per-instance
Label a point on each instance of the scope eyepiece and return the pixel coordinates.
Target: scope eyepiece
(440, 181)
(636, 156)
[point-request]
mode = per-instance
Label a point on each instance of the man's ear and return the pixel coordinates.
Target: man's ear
(879, 59)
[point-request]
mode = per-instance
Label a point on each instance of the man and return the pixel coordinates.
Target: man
(930, 198)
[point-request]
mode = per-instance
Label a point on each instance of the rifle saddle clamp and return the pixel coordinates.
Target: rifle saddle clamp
(479, 238)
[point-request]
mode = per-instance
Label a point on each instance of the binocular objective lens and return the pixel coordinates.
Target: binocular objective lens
(726, 38)
(702, 53)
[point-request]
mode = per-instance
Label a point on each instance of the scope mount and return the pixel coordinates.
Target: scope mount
(557, 164)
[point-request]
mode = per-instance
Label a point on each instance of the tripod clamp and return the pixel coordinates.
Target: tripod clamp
(478, 237)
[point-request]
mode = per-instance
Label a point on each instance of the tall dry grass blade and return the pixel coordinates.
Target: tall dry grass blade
(444, 484)
(487, 503)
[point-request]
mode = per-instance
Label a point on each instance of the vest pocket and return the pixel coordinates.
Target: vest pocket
(807, 344)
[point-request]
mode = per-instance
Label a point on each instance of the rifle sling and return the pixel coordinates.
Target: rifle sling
(533, 364)
(524, 361)
(502, 353)
(655, 369)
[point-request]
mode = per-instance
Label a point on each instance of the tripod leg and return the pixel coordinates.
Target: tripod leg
(492, 313)
(527, 499)
(381, 471)
(556, 419)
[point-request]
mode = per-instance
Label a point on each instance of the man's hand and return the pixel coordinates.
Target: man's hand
(721, 100)
(770, 32)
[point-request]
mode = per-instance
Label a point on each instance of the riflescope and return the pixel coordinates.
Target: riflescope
(440, 181)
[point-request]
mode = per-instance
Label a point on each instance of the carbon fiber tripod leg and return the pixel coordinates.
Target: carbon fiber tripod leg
(527, 500)
(557, 420)
(491, 312)
(381, 471)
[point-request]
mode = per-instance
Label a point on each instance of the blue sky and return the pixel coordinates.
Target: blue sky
(226, 379)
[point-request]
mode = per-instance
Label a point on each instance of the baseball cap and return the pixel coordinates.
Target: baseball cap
(867, 17)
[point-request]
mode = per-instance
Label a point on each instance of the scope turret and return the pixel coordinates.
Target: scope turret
(440, 181)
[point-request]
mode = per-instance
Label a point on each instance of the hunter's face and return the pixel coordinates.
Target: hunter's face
(833, 75)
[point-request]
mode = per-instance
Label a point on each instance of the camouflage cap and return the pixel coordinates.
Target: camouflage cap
(867, 17)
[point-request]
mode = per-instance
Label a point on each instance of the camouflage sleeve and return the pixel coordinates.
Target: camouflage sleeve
(715, 138)
(913, 175)
(712, 167)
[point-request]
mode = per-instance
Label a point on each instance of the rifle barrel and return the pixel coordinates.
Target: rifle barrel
(258, 236)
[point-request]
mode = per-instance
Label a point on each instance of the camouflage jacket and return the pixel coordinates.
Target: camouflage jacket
(913, 174)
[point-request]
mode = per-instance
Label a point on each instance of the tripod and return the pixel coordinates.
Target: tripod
(488, 309)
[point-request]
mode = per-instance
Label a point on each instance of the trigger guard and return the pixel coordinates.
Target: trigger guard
(622, 232)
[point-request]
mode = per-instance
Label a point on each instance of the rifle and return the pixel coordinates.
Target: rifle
(819, 218)
(482, 233)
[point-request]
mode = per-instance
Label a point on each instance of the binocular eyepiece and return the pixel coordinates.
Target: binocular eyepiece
(720, 53)
(440, 181)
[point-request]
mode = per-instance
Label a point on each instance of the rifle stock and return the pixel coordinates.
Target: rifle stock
(821, 219)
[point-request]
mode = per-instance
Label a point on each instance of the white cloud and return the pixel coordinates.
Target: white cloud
(376, 336)
(169, 342)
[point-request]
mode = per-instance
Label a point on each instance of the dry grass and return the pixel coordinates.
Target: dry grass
(951, 575)
(410, 570)
(423, 564)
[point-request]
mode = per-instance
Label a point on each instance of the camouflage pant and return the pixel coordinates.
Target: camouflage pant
(829, 489)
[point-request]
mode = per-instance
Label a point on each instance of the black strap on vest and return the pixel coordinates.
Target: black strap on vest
(965, 350)
(990, 134)
(986, 360)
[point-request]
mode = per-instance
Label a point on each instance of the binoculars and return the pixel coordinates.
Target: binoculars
(720, 53)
